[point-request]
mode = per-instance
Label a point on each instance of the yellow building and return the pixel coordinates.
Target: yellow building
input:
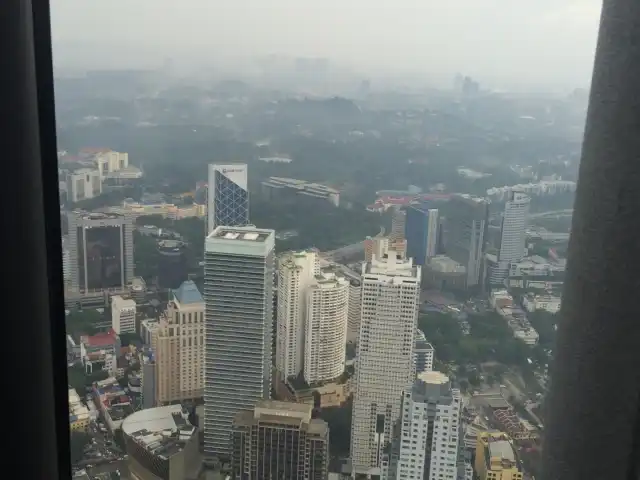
(496, 457)
(178, 345)
(78, 413)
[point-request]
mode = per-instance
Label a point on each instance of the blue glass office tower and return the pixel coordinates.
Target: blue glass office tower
(421, 233)
(228, 196)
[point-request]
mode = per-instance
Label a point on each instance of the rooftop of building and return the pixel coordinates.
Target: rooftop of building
(283, 413)
(101, 339)
(163, 431)
(432, 385)
(98, 216)
(501, 449)
(188, 294)
(241, 234)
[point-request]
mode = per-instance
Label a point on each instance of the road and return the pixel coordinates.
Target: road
(120, 465)
(349, 250)
(553, 213)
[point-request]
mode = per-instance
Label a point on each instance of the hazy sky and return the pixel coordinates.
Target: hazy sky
(536, 40)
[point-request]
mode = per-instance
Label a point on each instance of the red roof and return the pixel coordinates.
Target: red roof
(102, 339)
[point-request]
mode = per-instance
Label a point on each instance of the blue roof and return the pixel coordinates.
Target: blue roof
(188, 293)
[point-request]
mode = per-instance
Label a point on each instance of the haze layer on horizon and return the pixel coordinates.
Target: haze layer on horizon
(550, 42)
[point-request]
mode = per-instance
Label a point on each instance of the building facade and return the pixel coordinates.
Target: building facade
(161, 444)
(296, 272)
(398, 224)
(326, 327)
(123, 315)
(428, 432)
(421, 232)
(496, 457)
(279, 440)
(353, 327)
(466, 232)
(178, 346)
(385, 366)
(512, 236)
(83, 184)
(238, 293)
(228, 196)
(100, 251)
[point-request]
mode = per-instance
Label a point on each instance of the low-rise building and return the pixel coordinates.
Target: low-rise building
(496, 458)
(96, 347)
(280, 186)
(112, 401)
(444, 273)
(161, 443)
(515, 317)
(79, 416)
(548, 303)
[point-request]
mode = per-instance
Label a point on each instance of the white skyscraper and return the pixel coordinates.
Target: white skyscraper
(513, 235)
(296, 272)
(228, 196)
(428, 432)
(385, 365)
(326, 327)
(238, 294)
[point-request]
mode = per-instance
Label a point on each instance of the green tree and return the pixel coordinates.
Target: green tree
(83, 321)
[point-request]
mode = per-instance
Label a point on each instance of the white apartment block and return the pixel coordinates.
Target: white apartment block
(513, 235)
(326, 327)
(83, 184)
(123, 315)
(428, 442)
(296, 271)
(385, 365)
(178, 345)
(111, 162)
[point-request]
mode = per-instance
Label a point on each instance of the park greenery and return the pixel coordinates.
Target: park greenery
(490, 341)
(79, 379)
(83, 321)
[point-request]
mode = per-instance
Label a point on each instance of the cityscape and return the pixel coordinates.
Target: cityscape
(299, 272)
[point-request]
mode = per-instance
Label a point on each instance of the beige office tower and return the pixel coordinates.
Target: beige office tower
(326, 327)
(178, 343)
(296, 271)
(279, 440)
(398, 222)
(384, 369)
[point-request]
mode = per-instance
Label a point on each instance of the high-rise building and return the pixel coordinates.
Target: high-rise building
(100, 251)
(238, 293)
(123, 315)
(465, 237)
(228, 196)
(512, 235)
(423, 353)
(326, 327)
(496, 457)
(296, 271)
(83, 184)
(172, 263)
(426, 441)
(375, 247)
(279, 440)
(385, 366)
(398, 223)
(355, 307)
(421, 232)
(178, 346)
